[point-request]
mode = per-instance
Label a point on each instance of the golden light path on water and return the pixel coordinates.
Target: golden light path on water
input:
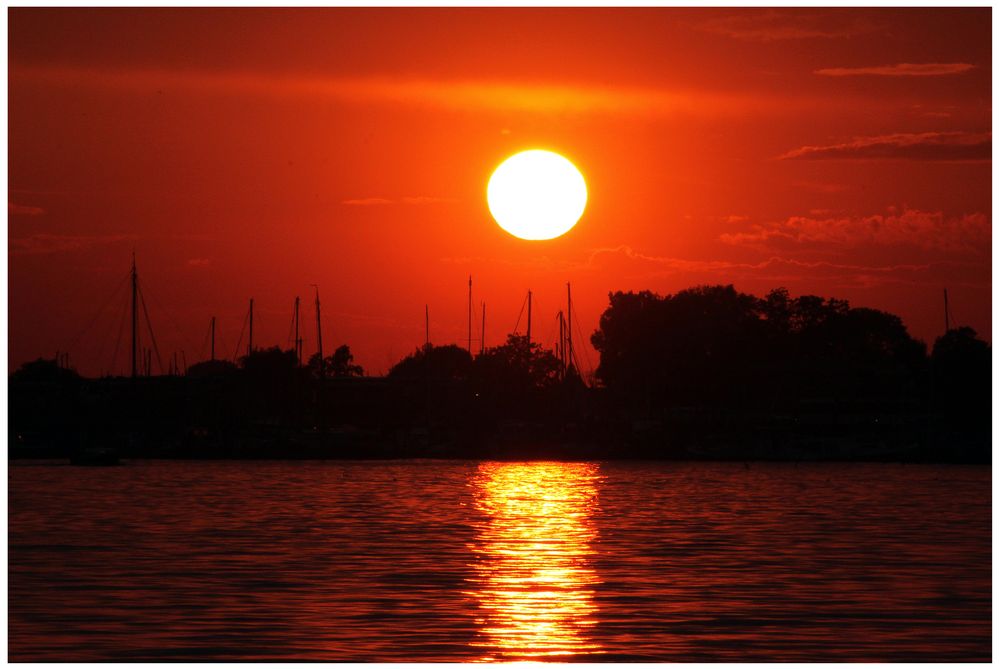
(533, 579)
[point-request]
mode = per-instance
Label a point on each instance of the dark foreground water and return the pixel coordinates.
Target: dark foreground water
(465, 561)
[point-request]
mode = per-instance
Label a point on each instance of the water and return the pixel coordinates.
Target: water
(468, 561)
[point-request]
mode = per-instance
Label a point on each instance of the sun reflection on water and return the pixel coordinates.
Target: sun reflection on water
(533, 578)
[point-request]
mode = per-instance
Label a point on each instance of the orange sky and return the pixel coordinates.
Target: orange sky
(255, 152)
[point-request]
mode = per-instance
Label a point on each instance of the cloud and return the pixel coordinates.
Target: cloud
(413, 199)
(199, 262)
(902, 146)
(23, 210)
(778, 269)
(45, 243)
(367, 202)
(683, 265)
(899, 70)
(629, 264)
(928, 230)
(427, 199)
(772, 26)
(446, 94)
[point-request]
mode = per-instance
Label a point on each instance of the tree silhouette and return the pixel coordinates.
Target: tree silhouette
(437, 363)
(517, 366)
(962, 375)
(340, 364)
(211, 368)
(712, 345)
(44, 371)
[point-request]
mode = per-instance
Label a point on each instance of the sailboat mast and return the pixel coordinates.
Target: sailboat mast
(135, 317)
(426, 324)
(469, 313)
(213, 339)
(482, 342)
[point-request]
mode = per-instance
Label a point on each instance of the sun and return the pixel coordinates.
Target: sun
(536, 195)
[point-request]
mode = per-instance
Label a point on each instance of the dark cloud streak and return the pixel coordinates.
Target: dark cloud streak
(956, 146)
(899, 70)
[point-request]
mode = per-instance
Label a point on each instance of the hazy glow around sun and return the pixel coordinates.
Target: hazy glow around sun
(536, 195)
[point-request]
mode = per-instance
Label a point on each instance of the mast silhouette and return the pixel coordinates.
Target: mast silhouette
(426, 323)
(135, 318)
(213, 339)
(470, 313)
(482, 341)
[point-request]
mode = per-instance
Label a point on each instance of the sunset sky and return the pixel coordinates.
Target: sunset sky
(252, 152)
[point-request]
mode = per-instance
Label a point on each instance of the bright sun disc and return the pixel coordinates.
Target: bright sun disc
(536, 195)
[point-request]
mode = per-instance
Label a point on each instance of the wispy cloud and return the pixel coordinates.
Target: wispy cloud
(427, 199)
(23, 210)
(928, 230)
(46, 243)
(779, 266)
(367, 202)
(778, 269)
(462, 95)
(683, 265)
(902, 146)
(771, 25)
(409, 200)
(199, 262)
(899, 70)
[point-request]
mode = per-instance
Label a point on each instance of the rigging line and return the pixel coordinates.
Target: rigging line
(239, 342)
(550, 335)
(586, 355)
(291, 332)
(204, 342)
(102, 341)
(536, 310)
(89, 325)
(149, 325)
(219, 341)
(117, 342)
(169, 316)
(523, 305)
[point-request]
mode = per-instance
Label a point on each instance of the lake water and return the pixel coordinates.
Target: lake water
(494, 561)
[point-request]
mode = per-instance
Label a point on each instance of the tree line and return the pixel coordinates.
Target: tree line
(704, 349)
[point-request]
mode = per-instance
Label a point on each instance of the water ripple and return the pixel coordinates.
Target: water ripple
(465, 561)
